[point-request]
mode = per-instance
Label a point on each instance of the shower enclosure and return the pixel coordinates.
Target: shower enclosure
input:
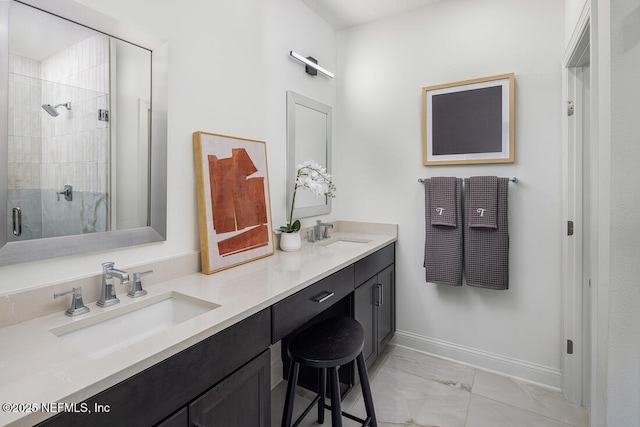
(70, 170)
(58, 148)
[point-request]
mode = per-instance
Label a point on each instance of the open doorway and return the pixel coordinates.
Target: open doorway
(579, 166)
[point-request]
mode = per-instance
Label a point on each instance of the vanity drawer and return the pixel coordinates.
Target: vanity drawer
(368, 267)
(296, 310)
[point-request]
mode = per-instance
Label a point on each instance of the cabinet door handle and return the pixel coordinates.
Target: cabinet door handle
(380, 299)
(323, 296)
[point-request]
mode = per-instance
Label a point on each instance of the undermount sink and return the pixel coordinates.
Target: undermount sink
(346, 243)
(120, 327)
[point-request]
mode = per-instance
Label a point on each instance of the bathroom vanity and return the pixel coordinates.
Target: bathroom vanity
(214, 368)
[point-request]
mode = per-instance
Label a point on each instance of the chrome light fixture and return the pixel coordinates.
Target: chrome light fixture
(312, 66)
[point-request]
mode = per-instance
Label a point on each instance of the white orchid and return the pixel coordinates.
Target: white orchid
(313, 176)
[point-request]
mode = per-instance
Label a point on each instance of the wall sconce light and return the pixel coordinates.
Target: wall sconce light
(312, 66)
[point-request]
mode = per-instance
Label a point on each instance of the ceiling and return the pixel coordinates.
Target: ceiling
(348, 13)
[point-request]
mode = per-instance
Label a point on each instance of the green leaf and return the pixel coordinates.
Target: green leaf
(296, 225)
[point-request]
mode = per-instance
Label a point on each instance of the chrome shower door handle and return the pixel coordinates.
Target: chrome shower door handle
(17, 221)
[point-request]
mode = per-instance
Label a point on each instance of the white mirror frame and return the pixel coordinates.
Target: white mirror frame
(293, 99)
(39, 249)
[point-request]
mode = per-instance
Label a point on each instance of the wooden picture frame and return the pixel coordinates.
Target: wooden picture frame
(468, 122)
(234, 207)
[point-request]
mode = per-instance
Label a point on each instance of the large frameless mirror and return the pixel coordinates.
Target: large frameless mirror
(83, 132)
(308, 138)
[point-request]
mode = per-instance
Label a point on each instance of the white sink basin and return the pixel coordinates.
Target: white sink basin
(346, 243)
(122, 326)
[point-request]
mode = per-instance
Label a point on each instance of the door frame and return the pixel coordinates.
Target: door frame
(572, 210)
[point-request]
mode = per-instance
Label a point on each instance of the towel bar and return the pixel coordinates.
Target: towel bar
(511, 179)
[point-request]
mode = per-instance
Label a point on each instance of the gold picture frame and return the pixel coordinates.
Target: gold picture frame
(471, 121)
(234, 206)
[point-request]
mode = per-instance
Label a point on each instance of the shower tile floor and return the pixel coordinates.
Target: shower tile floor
(415, 389)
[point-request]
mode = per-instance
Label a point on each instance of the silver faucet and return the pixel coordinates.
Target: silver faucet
(77, 305)
(317, 230)
(107, 291)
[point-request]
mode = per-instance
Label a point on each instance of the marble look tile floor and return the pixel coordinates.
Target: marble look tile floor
(414, 389)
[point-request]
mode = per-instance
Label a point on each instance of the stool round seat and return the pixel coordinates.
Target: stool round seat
(329, 343)
(326, 346)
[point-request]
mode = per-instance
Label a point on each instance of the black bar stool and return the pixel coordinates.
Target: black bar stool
(327, 345)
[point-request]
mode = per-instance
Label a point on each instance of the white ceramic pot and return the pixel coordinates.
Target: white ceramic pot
(290, 242)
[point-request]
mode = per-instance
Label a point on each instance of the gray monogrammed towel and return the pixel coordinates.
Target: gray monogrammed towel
(483, 203)
(443, 201)
(443, 245)
(486, 250)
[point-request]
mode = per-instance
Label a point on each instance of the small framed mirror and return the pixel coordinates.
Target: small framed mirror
(308, 138)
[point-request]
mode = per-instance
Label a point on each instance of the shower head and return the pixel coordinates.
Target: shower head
(52, 110)
(49, 109)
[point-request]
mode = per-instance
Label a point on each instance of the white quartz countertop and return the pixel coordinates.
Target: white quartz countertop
(39, 368)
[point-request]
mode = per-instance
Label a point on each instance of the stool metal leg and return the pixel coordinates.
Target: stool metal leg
(366, 390)
(336, 410)
(322, 376)
(291, 394)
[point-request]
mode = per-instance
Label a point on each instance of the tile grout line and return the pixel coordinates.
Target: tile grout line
(471, 392)
(525, 410)
(466, 415)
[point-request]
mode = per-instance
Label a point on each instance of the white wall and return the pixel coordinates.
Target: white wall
(623, 390)
(229, 69)
(572, 11)
(378, 160)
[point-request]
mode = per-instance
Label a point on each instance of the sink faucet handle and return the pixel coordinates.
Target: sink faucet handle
(136, 276)
(326, 231)
(77, 305)
(136, 290)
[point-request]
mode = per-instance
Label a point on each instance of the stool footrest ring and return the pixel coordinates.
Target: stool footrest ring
(364, 422)
(306, 411)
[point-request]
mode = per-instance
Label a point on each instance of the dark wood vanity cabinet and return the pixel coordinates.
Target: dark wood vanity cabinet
(242, 399)
(225, 378)
(374, 301)
(365, 290)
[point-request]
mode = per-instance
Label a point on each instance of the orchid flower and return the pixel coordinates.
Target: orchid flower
(310, 175)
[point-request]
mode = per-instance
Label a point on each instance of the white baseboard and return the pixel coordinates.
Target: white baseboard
(528, 371)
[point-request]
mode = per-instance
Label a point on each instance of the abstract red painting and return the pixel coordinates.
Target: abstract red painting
(234, 209)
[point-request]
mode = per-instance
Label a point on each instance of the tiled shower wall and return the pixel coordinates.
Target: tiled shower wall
(25, 145)
(46, 153)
